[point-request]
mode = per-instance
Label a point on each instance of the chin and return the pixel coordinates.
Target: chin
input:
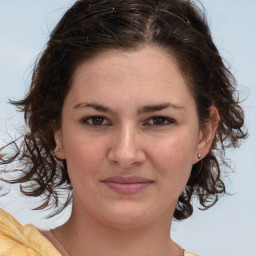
(127, 217)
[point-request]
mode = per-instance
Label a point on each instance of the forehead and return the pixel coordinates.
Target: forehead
(148, 62)
(148, 72)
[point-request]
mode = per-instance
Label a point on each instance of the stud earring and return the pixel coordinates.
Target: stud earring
(199, 156)
(60, 147)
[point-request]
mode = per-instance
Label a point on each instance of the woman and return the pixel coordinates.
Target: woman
(129, 106)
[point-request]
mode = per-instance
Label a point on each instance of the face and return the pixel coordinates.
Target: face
(130, 135)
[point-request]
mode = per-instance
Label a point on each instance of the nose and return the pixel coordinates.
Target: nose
(127, 148)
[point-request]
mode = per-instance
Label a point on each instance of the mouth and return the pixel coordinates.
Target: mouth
(127, 185)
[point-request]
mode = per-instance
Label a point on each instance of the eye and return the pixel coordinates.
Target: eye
(159, 121)
(95, 121)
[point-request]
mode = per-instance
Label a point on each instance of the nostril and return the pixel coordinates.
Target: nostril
(126, 148)
(126, 159)
(114, 162)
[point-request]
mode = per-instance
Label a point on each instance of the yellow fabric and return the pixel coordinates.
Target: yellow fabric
(16, 239)
(186, 253)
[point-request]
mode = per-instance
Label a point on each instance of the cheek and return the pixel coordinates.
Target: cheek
(173, 158)
(84, 159)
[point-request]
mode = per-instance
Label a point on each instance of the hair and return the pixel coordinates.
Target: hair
(90, 27)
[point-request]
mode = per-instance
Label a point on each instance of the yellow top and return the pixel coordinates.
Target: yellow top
(16, 239)
(186, 253)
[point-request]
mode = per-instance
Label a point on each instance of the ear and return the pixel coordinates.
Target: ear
(59, 151)
(207, 134)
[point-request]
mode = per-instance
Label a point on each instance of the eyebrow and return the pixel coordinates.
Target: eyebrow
(95, 106)
(158, 107)
(141, 110)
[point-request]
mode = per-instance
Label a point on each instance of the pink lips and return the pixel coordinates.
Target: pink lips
(127, 185)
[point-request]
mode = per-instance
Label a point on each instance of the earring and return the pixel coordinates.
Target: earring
(199, 156)
(60, 147)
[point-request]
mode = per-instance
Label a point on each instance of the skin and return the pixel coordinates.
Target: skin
(128, 140)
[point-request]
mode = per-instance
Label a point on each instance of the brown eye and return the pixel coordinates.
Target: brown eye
(95, 121)
(160, 121)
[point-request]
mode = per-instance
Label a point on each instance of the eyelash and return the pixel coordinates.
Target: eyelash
(94, 118)
(90, 121)
(162, 118)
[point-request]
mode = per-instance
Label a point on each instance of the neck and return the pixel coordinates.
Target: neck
(96, 239)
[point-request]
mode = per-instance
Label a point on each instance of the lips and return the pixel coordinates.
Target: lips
(127, 185)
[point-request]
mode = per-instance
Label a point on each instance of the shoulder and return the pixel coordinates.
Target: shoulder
(16, 239)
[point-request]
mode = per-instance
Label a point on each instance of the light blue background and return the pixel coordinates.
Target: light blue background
(227, 229)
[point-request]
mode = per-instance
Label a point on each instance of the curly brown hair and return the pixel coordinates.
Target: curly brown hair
(92, 26)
